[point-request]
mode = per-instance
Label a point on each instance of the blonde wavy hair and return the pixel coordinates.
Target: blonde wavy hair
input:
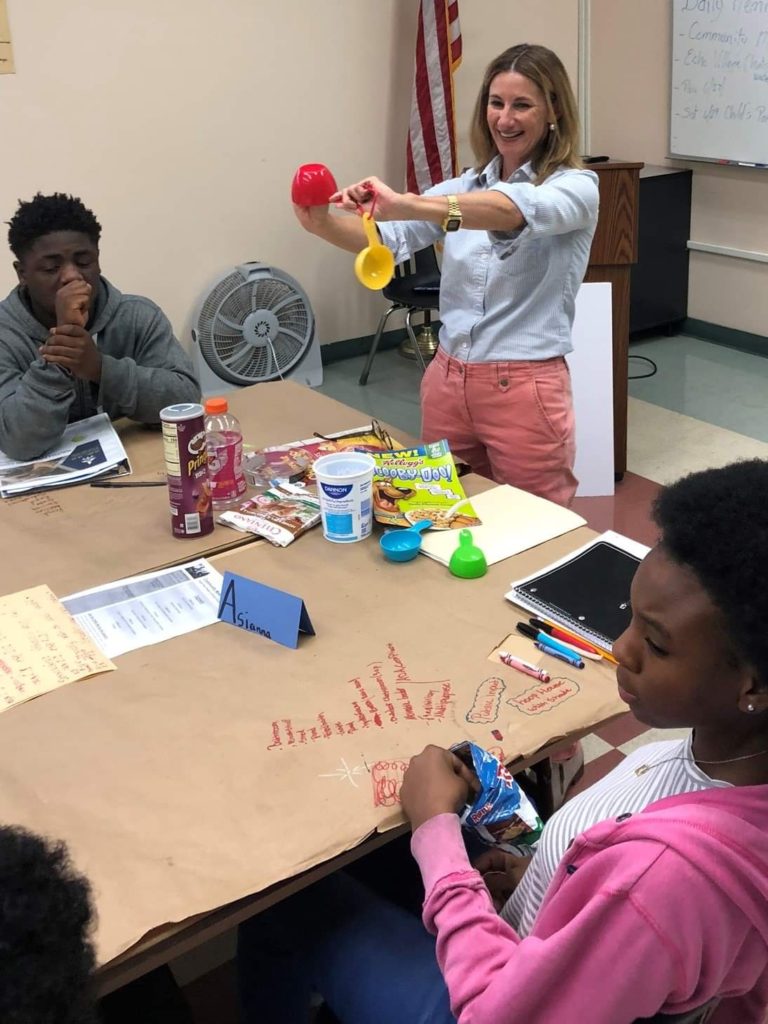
(560, 147)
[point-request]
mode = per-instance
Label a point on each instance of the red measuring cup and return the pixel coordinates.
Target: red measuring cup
(312, 185)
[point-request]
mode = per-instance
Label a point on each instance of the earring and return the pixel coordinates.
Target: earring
(552, 126)
(750, 707)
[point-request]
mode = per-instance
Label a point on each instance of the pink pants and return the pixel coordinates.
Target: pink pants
(512, 422)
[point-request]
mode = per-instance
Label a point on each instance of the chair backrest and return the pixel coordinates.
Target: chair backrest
(698, 1016)
(416, 284)
(423, 262)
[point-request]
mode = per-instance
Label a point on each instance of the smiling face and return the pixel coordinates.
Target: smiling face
(518, 118)
(51, 262)
(676, 666)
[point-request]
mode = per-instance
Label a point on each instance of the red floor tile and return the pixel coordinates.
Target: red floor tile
(628, 511)
(621, 729)
(595, 770)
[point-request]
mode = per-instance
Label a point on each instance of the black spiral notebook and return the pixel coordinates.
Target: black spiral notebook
(588, 590)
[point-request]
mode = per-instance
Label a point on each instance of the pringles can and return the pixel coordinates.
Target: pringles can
(186, 464)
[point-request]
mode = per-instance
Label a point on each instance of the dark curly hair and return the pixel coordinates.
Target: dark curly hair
(46, 956)
(44, 214)
(716, 523)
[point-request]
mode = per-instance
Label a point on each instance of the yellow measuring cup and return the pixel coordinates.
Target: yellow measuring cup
(374, 265)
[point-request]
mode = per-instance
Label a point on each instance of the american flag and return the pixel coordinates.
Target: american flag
(432, 133)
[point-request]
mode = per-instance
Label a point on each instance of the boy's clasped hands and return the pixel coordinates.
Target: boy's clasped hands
(69, 345)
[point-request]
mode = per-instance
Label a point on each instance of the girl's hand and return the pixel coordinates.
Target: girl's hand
(436, 782)
(502, 873)
(370, 195)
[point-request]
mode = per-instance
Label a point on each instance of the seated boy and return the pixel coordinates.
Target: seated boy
(70, 343)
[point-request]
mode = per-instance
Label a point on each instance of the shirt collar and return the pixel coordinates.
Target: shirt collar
(490, 175)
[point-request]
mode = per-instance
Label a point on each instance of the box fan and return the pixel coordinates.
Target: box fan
(255, 325)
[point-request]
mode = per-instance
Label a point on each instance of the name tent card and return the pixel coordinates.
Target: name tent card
(263, 610)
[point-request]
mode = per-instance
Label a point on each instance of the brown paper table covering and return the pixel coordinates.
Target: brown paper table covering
(216, 764)
(80, 537)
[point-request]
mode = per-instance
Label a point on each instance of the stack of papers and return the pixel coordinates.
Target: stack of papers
(87, 449)
(512, 521)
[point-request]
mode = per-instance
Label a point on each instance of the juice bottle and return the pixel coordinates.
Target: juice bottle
(224, 443)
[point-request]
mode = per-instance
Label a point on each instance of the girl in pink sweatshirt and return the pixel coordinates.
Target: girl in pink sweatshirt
(647, 893)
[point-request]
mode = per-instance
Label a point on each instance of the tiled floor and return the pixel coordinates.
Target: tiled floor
(609, 745)
(705, 406)
(719, 385)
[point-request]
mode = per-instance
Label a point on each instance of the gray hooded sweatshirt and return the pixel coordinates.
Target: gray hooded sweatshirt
(143, 368)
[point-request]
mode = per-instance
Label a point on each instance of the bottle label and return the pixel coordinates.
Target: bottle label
(225, 457)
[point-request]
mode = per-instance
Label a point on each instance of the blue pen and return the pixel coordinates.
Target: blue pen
(553, 653)
(541, 637)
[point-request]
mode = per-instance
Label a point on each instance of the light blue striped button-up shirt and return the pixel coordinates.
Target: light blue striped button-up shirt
(508, 296)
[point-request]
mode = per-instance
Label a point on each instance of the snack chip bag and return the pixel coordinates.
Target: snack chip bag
(413, 484)
(280, 515)
(501, 815)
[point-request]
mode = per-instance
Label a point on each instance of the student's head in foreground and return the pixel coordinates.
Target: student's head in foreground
(696, 651)
(46, 956)
(55, 240)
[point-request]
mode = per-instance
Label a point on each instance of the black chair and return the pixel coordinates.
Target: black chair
(698, 1016)
(416, 290)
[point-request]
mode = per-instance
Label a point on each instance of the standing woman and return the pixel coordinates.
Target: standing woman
(516, 230)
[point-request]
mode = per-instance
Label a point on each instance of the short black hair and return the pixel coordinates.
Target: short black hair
(46, 956)
(715, 522)
(44, 214)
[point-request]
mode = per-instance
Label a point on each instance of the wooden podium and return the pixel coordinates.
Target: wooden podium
(614, 250)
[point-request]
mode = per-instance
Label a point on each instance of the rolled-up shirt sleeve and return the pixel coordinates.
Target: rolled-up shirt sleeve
(566, 202)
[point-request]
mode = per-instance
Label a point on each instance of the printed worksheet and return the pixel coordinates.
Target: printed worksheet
(143, 610)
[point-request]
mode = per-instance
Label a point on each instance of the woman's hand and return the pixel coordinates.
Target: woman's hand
(501, 873)
(371, 195)
(436, 782)
(312, 218)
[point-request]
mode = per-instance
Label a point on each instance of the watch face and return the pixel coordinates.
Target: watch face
(453, 224)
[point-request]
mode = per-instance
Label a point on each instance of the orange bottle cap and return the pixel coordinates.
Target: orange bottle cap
(216, 405)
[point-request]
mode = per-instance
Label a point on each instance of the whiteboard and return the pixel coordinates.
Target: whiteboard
(719, 103)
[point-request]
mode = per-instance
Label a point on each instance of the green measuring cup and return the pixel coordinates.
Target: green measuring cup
(468, 561)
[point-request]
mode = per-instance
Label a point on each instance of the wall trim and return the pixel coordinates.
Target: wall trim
(333, 351)
(756, 344)
(584, 74)
(728, 250)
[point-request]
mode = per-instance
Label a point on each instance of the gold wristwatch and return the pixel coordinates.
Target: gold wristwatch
(453, 221)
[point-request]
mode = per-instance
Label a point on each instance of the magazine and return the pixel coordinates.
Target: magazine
(292, 462)
(87, 449)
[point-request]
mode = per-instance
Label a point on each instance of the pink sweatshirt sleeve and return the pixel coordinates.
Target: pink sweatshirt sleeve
(607, 947)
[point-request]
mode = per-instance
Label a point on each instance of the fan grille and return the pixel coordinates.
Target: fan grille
(255, 325)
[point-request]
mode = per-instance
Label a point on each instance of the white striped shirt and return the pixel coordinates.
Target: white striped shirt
(672, 770)
(509, 296)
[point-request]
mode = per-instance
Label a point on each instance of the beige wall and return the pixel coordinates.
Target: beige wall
(181, 123)
(629, 86)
